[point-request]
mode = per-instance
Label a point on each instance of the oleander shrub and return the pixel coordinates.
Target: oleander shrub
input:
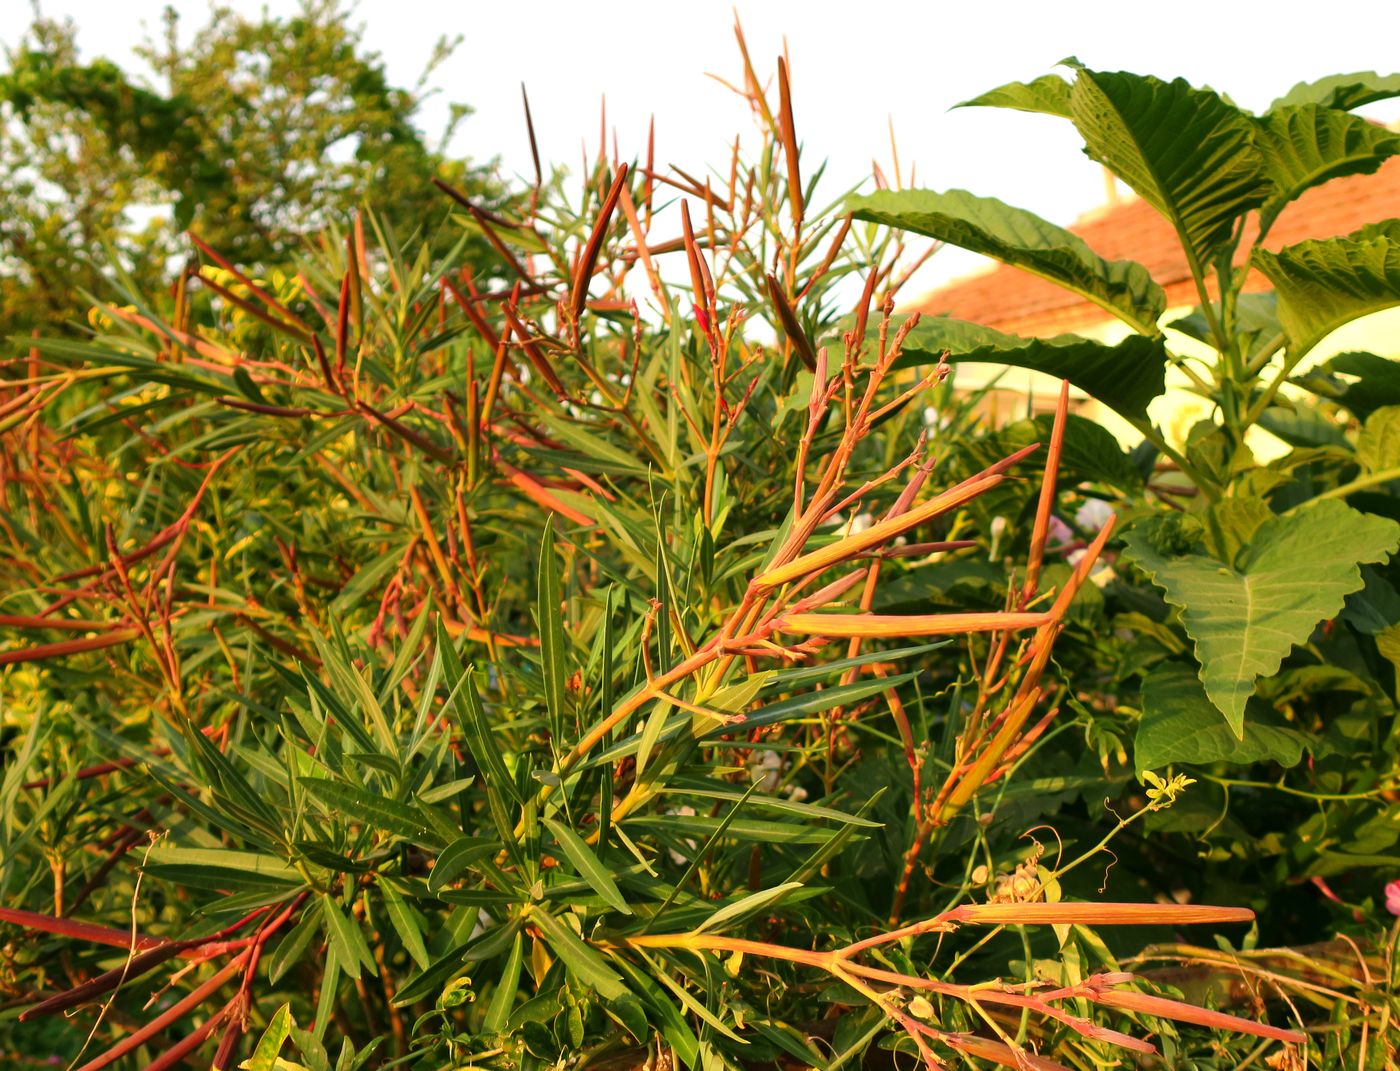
(605, 655)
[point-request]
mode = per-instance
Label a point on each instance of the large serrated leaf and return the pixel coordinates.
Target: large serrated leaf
(1048, 94)
(1185, 151)
(1324, 283)
(1306, 145)
(1023, 240)
(1245, 616)
(1180, 724)
(1125, 376)
(1342, 91)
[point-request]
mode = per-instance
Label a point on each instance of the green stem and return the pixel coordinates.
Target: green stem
(1151, 434)
(1358, 484)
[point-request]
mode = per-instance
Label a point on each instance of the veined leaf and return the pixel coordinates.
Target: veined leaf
(1324, 283)
(1378, 445)
(1345, 91)
(1186, 152)
(1256, 323)
(1377, 383)
(1125, 377)
(456, 857)
(588, 865)
(1308, 144)
(1180, 724)
(390, 816)
(1048, 94)
(1246, 615)
(1023, 240)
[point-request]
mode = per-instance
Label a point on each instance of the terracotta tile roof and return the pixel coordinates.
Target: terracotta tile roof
(1013, 300)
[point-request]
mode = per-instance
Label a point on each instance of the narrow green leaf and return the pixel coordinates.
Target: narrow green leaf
(405, 925)
(388, 816)
(588, 865)
(503, 997)
(279, 1028)
(292, 947)
(553, 653)
(581, 961)
(476, 730)
(453, 860)
(351, 949)
(746, 906)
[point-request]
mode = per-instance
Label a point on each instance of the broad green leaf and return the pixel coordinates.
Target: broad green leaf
(1185, 151)
(1378, 446)
(1090, 450)
(1377, 381)
(1125, 376)
(1306, 145)
(1324, 283)
(389, 816)
(1179, 724)
(553, 653)
(405, 925)
(1048, 94)
(1345, 91)
(1245, 616)
(588, 865)
(1256, 323)
(581, 961)
(1024, 240)
(1303, 426)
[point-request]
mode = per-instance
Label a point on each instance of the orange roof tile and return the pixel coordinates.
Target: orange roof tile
(1016, 301)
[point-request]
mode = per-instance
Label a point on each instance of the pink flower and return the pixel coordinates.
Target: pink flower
(1392, 897)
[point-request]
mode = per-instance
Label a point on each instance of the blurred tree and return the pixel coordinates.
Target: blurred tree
(263, 131)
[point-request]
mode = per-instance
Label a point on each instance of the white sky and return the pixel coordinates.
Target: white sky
(854, 63)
